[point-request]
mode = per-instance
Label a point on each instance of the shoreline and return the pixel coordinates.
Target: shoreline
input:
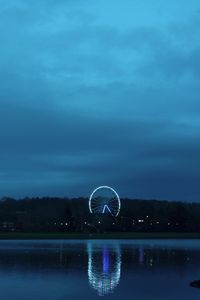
(98, 236)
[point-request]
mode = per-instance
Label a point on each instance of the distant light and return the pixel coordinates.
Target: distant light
(157, 222)
(66, 224)
(168, 223)
(85, 223)
(99, 222)
(147, 216)
(151, 262)
(61, 223)
(140, 221)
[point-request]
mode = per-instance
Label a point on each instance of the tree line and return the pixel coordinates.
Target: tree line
(72, 215)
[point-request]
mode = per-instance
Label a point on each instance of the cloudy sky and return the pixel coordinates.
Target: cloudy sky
(100, 93)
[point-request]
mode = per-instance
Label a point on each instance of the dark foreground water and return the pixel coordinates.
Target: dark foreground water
(61, 270)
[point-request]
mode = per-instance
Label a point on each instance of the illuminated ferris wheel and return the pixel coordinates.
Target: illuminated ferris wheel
(104, 200)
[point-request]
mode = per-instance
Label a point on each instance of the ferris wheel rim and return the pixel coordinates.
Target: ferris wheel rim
(109, 188)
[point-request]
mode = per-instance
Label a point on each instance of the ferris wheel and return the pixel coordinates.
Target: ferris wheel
(104, 200)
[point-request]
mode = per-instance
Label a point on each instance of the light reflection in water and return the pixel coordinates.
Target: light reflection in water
(104, 267)
(141, 255)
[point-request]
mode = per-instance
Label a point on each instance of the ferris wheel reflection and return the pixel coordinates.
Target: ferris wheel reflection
(104, 267)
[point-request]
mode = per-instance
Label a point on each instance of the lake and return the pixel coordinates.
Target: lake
(118, 269)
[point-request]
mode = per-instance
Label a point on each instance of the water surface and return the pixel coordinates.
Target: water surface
(58, 270)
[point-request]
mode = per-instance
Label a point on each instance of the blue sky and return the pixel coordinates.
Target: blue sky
(100, 93)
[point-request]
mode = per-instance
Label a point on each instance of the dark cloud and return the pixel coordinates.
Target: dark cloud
(85, 101)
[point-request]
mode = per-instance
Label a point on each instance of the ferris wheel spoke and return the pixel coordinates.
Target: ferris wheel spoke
(95, 200)
(114, 203)
(96, 208)
(114, 200)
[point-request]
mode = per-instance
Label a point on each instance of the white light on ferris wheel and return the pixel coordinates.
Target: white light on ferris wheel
(104, 200)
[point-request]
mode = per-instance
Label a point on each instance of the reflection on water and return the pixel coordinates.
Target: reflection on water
(60, 270)
(104, 267)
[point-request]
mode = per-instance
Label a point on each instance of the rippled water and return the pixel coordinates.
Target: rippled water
(142, 269)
